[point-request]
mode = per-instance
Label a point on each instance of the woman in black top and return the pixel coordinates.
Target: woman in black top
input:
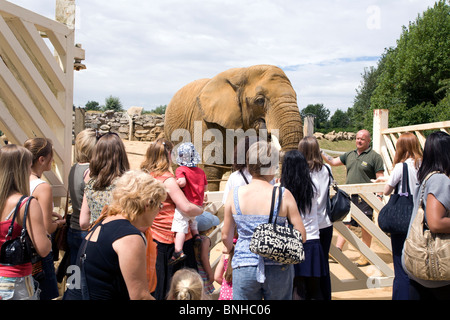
(115, 256)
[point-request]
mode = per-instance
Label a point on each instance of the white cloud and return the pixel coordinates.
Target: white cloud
(144, 51)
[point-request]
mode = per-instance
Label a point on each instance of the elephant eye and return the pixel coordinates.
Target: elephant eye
(260, 101)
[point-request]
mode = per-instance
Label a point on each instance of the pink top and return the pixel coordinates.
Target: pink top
(226, 291)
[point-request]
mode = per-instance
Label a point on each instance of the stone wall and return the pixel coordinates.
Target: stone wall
(144, 127)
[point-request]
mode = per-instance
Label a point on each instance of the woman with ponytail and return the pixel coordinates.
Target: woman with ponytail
(158, 163)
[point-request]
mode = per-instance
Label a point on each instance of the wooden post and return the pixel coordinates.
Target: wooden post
(380, 122)
(308, 126)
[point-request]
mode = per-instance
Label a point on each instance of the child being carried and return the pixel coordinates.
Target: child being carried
(193, 182)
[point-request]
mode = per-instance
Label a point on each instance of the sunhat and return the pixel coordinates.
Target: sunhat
(206, 221)
(187, 155)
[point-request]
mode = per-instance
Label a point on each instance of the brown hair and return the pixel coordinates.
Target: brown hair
(408, 146)
(15, 164)
(311, 151)
(262, 158)
(109, 160)
(157, 157)
(39, 147)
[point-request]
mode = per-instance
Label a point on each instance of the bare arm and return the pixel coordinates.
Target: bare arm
(131, 252)
(228, 224)
(330, 160)
(85, 214)
(437, 220)
(36, 229)
(43, 193)
(204, 256)
(218, 273)
(178, 197)
(181, 182)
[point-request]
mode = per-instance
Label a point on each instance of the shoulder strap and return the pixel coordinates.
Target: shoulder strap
(16, 210)
(405, 181)
(423, 186)
(24, 224)
(273, 203)
(331, 175)
(243, 176)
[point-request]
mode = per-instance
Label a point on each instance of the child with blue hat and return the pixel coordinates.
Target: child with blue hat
(192, 180)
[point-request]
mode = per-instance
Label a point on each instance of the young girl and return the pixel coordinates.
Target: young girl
(295, 176)
(186, 284)
(224, 274)
(193, 182)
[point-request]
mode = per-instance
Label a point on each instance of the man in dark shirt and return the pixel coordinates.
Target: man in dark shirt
(363, 164)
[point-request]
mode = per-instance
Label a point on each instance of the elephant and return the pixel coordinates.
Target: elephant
(255, 97)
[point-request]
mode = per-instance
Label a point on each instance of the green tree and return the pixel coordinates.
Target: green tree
(92, 105)
(319, 111)
(339, 119)
(159, 110)
(113, 103)
(413, 84)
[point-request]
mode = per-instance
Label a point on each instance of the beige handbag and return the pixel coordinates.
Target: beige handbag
(427, 254)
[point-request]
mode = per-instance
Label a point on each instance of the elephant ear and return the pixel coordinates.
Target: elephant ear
(219, 100)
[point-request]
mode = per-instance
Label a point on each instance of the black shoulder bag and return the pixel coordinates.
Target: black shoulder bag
(339, 205)
(395, 216)
(279, 243)
(19, 250)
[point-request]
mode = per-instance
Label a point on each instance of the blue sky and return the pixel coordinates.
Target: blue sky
(144, 51)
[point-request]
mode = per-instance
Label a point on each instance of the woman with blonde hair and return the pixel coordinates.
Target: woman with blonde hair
(44, 270)
(186, 284)
(407, 151)
(158, 162)
(84, 147)
(114, 251)
(16, 282)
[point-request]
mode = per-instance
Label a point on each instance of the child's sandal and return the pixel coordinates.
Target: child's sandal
(177, 257)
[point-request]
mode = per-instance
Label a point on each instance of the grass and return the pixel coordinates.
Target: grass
(339, 173)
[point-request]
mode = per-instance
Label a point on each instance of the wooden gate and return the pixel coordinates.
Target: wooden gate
(36, 84)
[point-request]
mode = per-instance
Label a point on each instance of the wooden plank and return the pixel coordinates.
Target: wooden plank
(419, 127)
(30, 76)
(10, 10)
(41, 52)
(22, 103)
(421, 138)
(10, 127)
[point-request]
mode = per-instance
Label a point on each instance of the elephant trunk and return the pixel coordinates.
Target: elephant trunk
(285, 117)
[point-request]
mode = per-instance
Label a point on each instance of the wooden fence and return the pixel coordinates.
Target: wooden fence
(37, 57)
(384, 140)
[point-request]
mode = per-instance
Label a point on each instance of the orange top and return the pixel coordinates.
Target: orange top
(162, 225)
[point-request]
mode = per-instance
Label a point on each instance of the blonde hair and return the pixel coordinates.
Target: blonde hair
(186, 284)
(157, 157)
(84, 145)
(15, 164)
(262, 158)
(134, 190)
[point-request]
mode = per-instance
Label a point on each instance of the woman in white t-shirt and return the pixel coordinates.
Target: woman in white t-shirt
(407, 151)
(321, 179)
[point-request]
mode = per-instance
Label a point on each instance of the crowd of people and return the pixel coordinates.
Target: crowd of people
(143, 234)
